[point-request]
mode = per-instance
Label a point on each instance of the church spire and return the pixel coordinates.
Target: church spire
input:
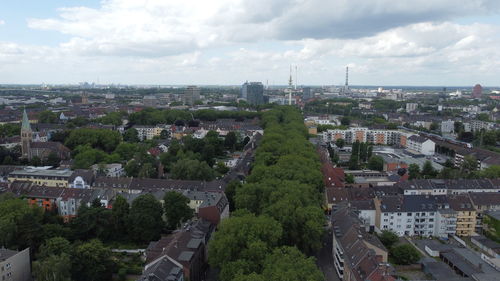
(26, 122)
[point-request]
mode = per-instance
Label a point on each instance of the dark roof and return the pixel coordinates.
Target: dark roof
(417, 138)
(87, 175)
(460, 203)
(6, 253)
(485, 198)
(163, 269)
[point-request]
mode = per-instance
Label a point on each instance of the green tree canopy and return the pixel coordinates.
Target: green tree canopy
(146, 222)
(177, 209)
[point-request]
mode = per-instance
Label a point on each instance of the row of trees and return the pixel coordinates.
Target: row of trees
(449, 171)
(361, 152)
(151, 116)
(278, 210)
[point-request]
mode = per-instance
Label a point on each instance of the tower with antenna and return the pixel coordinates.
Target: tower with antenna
(290, 87)
(346, 86)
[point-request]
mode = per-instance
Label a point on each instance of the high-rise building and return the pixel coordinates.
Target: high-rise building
(306, 93)
(477, 91)
(149, 101)
(191, 95)
(253, 92)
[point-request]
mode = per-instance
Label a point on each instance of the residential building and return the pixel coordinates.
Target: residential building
(54, 178)
(477, 91)
(150, 101)
(447, 186)
(411, 107)
(446, 223)
(149, 132)
(447, 127)
(71, 199)
(466, 214)
(357, 254)
(362, 134)
(185, 249)
(37, 195)
(421, 145)
(14, 265)
(109, 170)
(191, 95)
(253, 92)
(81, 178)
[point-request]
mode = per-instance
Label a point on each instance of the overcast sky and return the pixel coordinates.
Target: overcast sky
(384, 42)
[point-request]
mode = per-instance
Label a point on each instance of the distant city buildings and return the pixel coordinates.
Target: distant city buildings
(410, 107)
(253, 92)
(191, 95)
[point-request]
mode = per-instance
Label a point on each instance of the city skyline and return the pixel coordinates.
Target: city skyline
(229, 42)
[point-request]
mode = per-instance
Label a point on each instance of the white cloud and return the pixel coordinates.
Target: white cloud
(2, 22)
(229, 41)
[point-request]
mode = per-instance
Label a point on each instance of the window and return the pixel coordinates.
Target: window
(409, 214)
(399, 214)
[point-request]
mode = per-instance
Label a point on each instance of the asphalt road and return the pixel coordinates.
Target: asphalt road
(324, 258)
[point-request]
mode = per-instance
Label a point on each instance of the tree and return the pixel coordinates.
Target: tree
(346, 121)
(288, 263)
(469, 163)
(221, 168)
(388, 238)
(405, 254)
(54, 247)
(428, 171)
(243, 239)
(491, 172)
(177, 209)
(119, 217)
(230, 141)
(165, 134)
(434, 126)
(363, 152)
(146, 223)
(53, 268)
(52, 160)
(414, 171)
(48, 116)
(340, 143)
(131, 135)
(230, 192)
(349, 178)
(91, 261)
(458, 127)
(186, 169)
(376, 163)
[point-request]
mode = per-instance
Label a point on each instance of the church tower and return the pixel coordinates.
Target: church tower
(26, 136)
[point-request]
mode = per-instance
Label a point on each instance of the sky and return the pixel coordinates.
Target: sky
(228, 42)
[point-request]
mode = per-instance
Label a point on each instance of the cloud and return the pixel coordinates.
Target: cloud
(162, 28)
(229, 41)
(2, 22)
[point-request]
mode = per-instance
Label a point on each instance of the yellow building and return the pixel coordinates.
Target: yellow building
(54, 178)
(466, 214)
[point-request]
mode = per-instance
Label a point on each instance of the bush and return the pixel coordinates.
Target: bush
(405, 254)
(122, 274)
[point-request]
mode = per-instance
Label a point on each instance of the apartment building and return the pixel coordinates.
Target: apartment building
(448, 186)
(421, 145)
(149, 132)
(362, 134)
(54, 178)
(14, 265)
(466, 214)
(357, 254)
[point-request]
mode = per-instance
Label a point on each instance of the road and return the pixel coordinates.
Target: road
(324, 258)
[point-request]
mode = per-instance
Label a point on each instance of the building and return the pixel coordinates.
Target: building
(54, 178)
(42, 150)
(357, 254)
(411, 107)
(253, 92)
(149, 132)
(421, 145)
(477, 91)
(108, 170)
(37, 195)
(191, 95)
(185, 249)
(447, 127)
(466, 214)
(362, 134)
(307, 93)
(14, 265)
(150, 101)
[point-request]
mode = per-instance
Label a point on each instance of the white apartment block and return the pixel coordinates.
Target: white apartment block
(421, 144)
(149, 132)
